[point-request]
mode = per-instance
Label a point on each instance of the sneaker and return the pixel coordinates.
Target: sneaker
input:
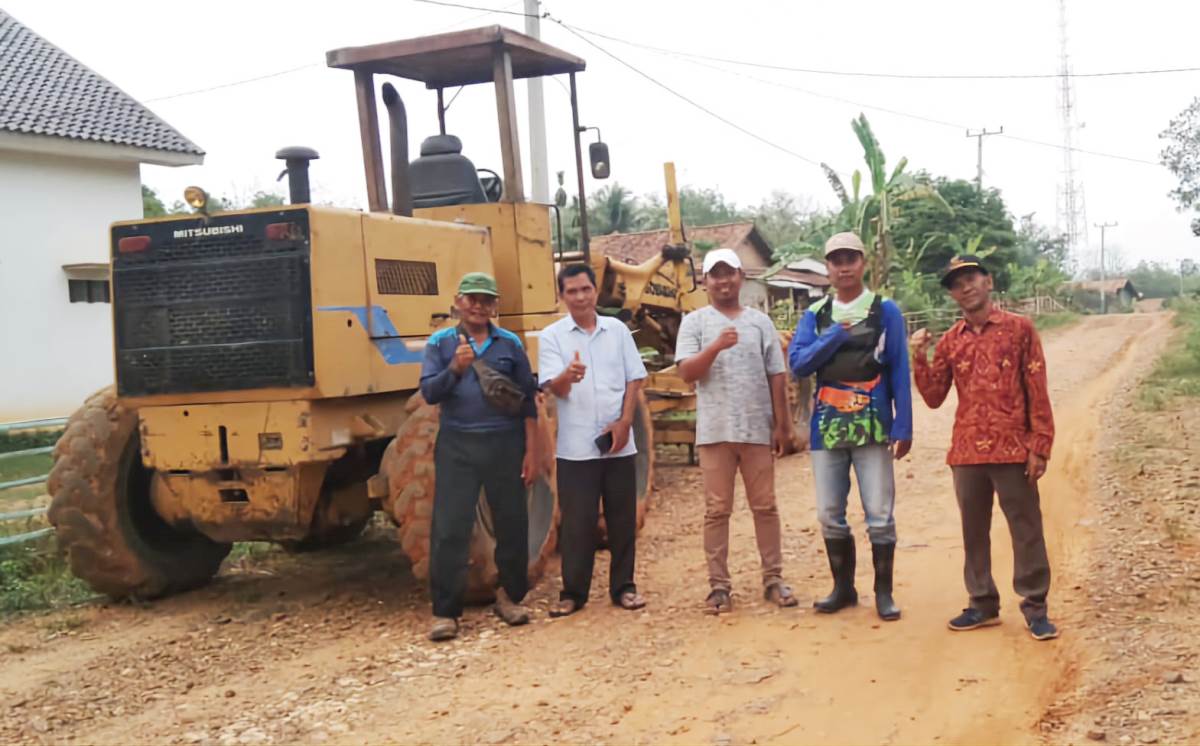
(513, 614)
(444, 628)
(1042, 629)
(972, 619)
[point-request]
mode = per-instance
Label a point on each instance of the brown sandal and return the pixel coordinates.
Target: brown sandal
(632, 601)
(565, 607)
(781, 595)
(718, 602)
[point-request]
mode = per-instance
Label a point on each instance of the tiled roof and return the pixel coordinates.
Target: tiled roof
(811, 279)
(45, 91)
(636, 248)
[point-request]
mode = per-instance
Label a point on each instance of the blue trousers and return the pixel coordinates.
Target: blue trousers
(876, 485)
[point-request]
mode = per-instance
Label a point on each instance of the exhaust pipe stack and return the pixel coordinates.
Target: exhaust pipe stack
(297, 159)
(402, 203)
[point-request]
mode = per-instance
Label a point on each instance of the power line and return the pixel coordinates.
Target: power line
(889, 76)
(290, 70)
(896, 112)
(231, 84)
(681, 96)
(839, 73)
(479, 7)
(486, 12)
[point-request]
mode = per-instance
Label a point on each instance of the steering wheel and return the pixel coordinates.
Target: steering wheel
(493, 187)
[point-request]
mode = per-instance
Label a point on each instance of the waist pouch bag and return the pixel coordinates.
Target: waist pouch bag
(498, 389)
(846, 416)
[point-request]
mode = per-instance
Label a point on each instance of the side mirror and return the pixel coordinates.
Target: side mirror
(598, 154)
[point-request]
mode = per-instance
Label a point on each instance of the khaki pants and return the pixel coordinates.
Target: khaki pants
(720, 463)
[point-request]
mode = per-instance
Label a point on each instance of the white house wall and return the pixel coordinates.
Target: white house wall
(55, 211)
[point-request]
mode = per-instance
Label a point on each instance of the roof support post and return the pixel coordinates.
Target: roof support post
(441, 112)
(584, 238)
(506, 113)
(368, 124)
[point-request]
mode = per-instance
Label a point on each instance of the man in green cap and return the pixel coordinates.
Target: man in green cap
(480, 376)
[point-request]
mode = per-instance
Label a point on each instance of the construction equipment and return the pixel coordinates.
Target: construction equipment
(266, 358)
(652, 297)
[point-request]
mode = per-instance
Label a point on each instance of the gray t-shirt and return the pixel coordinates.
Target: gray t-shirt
(734, 399)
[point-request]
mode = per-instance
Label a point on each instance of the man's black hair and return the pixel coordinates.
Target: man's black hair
(571, 270)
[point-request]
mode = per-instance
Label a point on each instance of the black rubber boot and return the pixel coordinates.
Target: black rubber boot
(842, 563)
(884, 556)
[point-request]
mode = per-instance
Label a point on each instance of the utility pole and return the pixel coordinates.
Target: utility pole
(979, 159)
(539, 171)
(1103, 274)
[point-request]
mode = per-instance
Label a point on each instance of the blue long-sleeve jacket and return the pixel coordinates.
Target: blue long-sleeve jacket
(461, 398)
(892, 398)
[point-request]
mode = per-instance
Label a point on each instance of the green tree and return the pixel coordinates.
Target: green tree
(783, 219)
(152, 206)
(612, 209)
(1034, 243)
(874, 216)
(1182, 157)
(973, 216)
(697, 206)
(1158, 280)
(266, 199)
(1031, 280)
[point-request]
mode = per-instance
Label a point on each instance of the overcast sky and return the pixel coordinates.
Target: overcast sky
(154, 50)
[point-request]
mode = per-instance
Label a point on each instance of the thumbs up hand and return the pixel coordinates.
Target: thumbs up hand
(576, 370)
(464, 355)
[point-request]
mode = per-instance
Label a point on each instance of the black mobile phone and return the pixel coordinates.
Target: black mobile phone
(605, 442)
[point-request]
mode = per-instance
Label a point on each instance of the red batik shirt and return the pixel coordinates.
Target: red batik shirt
(999, 373)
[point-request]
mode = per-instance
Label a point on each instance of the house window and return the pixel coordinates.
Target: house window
(88, 291)
(88, 283)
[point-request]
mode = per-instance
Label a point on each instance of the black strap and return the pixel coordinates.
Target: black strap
(874, 313)
(825, 314)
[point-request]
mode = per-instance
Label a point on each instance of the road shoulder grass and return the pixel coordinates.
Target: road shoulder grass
(1178, 370)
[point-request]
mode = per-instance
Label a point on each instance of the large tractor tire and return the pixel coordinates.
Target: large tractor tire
(103, 517)
(408, 466)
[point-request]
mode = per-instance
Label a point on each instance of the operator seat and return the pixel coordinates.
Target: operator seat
(443, 175)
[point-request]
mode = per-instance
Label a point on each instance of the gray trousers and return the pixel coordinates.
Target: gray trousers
(975, 487)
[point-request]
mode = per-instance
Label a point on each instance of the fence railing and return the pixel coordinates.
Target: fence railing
(8, 427)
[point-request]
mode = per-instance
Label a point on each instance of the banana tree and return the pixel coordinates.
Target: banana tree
(872, 216)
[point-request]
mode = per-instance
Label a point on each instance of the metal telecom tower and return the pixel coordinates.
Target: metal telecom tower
(1072, 218)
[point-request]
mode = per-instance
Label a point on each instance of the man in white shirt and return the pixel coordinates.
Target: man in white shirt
(592, 367)
(734, 355)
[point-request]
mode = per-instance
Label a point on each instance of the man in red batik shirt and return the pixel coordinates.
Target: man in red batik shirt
(1003, 432)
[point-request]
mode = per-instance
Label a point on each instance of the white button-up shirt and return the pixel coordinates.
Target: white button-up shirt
(612, 361)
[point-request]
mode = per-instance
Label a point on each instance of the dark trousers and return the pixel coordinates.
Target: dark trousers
(581, 484)
(974, 486)
(464, 463)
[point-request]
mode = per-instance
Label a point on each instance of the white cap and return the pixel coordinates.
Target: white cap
(721, 256)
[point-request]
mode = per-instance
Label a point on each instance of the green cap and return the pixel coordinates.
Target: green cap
(478, 283)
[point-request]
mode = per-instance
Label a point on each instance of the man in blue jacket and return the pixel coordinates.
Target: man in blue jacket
(855, 343)
(479, 445)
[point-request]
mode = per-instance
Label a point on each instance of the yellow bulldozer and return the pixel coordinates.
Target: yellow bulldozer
(267, 360)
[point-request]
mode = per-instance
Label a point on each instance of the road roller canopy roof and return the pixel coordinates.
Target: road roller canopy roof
(457, 58)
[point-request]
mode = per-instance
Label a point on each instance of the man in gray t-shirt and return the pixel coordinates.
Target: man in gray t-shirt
(734, 355)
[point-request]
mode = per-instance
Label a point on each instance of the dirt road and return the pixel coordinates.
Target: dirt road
(331, 649)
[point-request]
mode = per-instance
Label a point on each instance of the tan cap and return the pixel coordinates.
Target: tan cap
(848, 241)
